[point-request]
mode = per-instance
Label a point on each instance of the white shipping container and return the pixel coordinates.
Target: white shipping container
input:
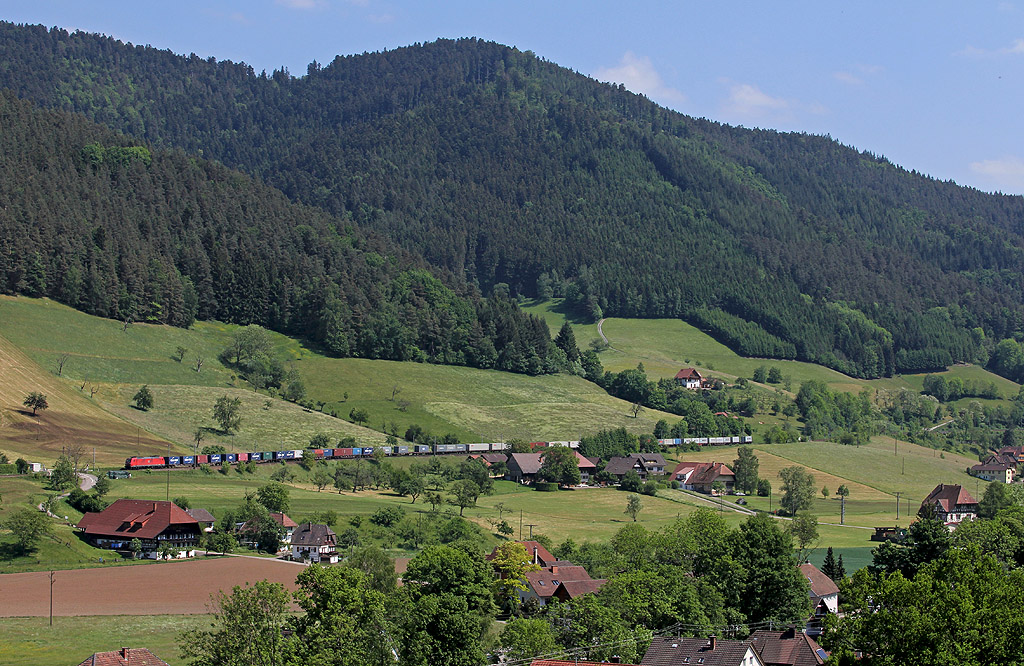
(479, 447)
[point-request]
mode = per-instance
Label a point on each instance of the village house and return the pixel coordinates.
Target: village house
(203, 517)
(124, 657)
(689, 378)
(542, 585)
(538, 554)
(315, 543)
(701, 476)
(704, 651)
(575, 662)
(574, 589)
(824, 597)
(524, 467)
(644, 464)
(787, 648)
(247, 532)
(152, 523)
(951, 504)
(996, 467)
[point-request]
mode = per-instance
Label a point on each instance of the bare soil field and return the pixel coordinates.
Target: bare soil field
(170, 588)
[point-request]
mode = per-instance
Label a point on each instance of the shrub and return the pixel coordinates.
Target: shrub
(650, 488)
(676, 485)
(387, 516)
(545, 486)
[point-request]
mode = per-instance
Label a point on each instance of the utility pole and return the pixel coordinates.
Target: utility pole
(51, 598)
(904, 471)
(520, 524)
(531, 526)
(842, 509)
(168, 498)
(898, 505)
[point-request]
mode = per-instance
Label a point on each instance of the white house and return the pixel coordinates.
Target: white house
(315, 543)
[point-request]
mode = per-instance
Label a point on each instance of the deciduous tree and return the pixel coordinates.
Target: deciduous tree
(35, 401)
(28, 527)
(633, 506)
(143, 399)
(797, 489)
(246, 629)
(226, 412)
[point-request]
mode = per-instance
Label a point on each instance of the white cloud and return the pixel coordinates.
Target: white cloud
(300, 4)
(749, 100)
(1005, 173)
(858, 74)
(639, 75)
(380, 18)
(1017, 48)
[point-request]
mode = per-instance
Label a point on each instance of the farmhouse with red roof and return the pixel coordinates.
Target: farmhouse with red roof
(152, 523)
(951, 504)
(124, 657)
(689, 378)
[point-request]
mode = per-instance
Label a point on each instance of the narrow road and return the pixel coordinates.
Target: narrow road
(211, 553)
(88, 481)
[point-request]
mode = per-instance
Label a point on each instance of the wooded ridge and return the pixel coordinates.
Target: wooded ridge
(500, 167)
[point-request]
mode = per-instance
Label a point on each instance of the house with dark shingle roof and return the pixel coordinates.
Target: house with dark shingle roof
(787, 648)
(996, 467)
(524, 467)
(541, 585)
(951, 504)
(124, 657)
(573, 589)
(203, 517)
(824, 596)
(703, 651)
(316, 543)
(152, 523)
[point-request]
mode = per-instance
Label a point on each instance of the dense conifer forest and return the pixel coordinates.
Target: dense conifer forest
(500, 168)
(123, 231)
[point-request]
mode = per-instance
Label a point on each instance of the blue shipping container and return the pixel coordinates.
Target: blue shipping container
(367, 450)
(174, 460)
(188, 460)
(357, 451)
(215, 459)
(231, 457)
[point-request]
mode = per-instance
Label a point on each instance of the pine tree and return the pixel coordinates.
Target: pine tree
(840, 569)
(830, 567)
(566, 341)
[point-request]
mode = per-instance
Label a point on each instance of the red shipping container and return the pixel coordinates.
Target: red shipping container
(343, 452)
(203, 459)
(319, 453)
(243, 457)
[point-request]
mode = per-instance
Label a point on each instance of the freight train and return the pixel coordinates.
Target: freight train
(153, 462)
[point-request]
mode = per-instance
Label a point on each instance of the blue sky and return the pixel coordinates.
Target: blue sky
(934, 86)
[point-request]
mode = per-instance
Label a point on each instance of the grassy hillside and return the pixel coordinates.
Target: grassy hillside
(474, 404)
(666, 345)
(480, 405)
(71, 417)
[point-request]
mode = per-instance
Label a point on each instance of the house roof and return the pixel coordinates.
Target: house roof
(710, 474)
(134, 656)
(131, 519)
(310, 534)
(546, 581)
(202, 515)
(787, 648)
(684, 467)
(655, 458)
(283, 520)
(676, 651)
(688, 373)
(577, 588)
(491, 458)
(620, 466)
(993, 467)
(530, 463)
(544, 558)
(821, 585)
(949, 496)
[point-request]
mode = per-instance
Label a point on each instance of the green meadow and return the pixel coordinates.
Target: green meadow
(31, 641)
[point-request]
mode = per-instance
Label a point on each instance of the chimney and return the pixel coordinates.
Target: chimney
(711, 642)
(126, 654)
(554, 569)
(536, 556)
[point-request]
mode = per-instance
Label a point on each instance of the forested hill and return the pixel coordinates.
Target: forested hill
(505, 168)
(120, 230)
